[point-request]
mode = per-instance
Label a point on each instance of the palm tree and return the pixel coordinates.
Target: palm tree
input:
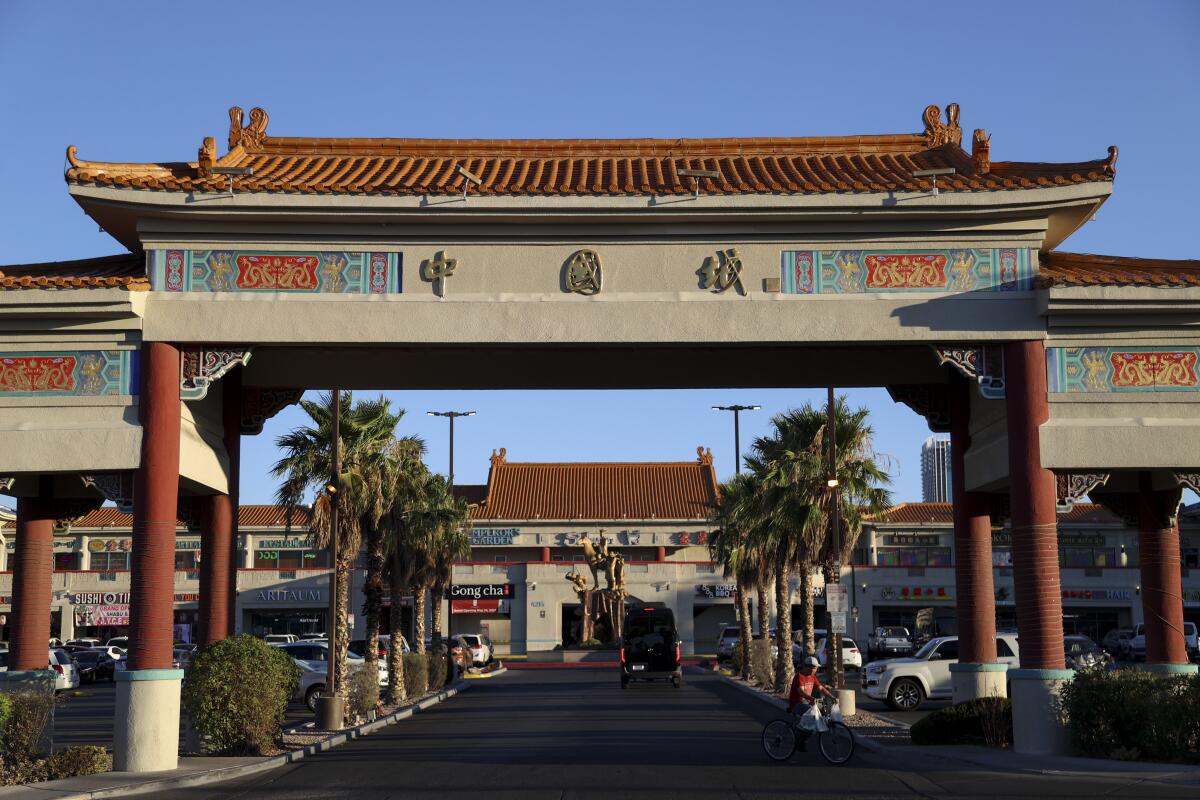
(364, 478)
(735, 514)
(453, 543)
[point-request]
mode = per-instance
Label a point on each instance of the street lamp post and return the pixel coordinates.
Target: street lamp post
(451, 415)
(835, 535)
(737, 434)
(330, 708)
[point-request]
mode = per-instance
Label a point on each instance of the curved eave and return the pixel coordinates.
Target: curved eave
(118, 211)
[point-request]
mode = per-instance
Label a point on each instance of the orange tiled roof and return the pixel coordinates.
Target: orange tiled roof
(943, 514)
(599, 491)
(1084, 269)
(124, 271)
(783, 165)
(249, 516)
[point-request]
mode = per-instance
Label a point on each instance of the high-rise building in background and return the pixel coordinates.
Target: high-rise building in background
(935, 470)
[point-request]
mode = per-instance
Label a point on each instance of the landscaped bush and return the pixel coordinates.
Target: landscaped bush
(1129, 714)
(986, 720)
(762, 666)
(236, 693)
(364, 692)
(5, 713)
(438, 666)
(88, 759)
(27, 726)
(416, 674)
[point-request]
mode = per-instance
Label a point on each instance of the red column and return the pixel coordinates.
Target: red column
(231, 386)
(1162, 584)
(32, 570)
(156, 491)
(661, 554)
(216, 539)
(1034, 524)
(546, 554)
(976, 594)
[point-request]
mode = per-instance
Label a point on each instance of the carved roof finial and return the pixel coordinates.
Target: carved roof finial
(938, 133)
(705, 455)
(72, 159)
(1110, 165)
(981, 150)
(248, 136)
(207, 158)
(499, 458)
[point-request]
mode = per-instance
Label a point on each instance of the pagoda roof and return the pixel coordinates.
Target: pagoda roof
(601, 491)
(124, 271)
(775, 165)
(1059, 269)
(926, 513)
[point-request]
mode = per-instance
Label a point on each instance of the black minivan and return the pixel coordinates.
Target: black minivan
(650, 647)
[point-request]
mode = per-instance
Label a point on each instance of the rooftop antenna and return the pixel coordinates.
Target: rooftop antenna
(933, 175)
(468, 178)
(697, 174)
(231, 172)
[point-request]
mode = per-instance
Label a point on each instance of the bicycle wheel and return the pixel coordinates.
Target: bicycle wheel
(779, 739)
(837, 743)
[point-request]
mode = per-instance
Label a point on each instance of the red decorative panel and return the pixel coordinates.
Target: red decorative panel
(277, 272)
(906, 271)
(37, 374)
(1137, 369)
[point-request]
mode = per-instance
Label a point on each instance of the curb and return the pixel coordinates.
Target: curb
(485, 675)
(266, 765)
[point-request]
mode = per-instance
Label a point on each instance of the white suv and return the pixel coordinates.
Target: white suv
(904, 683)
(726, 641)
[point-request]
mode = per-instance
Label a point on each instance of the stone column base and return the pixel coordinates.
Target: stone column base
(972, 681)
(1037, 729)
(1170, 669)
(146, 734)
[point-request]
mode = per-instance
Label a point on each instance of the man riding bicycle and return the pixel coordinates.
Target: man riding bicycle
(805, 685)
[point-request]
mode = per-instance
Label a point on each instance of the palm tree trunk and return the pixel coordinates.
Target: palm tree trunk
(745, 634)
(395, 692)
(419, 623)
(806, 609)
(783, 611)
(439, 589)
(373, 595)
(342, 630)
(764, 609)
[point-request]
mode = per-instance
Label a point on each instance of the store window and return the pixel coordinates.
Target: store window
(1002, 557)
(108, 562)
(66, 562)
(914, 556)
(188, 560)
(291, 559)
(1083, 557)
(1191, 557)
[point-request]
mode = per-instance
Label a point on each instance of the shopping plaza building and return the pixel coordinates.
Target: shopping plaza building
(526, 525)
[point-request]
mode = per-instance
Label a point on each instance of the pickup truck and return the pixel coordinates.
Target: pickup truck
(889, 642)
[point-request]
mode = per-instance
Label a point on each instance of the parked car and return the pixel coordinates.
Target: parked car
(1116, 643)
(313, 637)
(312, 683)
(281, 638)
(889, 642)
(119, 641)
(181, 657)
(59, 662)
(1083, 653)
(359, 646)
(479, 646)
(1137, 643)
(1191, 639)
(459, 654)
(651, 647)
(726, 641)
(314, 657)
(95, 665)
(84, 642)
(905, 683)
(851, 657)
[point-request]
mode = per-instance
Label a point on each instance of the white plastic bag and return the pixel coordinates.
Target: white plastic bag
(811, 720)
(835, 713)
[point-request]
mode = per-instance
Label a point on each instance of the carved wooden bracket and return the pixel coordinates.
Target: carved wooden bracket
(1189, 479)
(6, 483)
(984, 365)
(931, 402)
(116, 487)
(1071, 487)
(200, 367)
(260, 404)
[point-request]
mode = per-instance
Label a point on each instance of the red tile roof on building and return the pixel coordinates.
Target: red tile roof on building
(250, 516)
(124, 271)
(1059, 269)
(684, 490)
(783, 165)
(943, 514)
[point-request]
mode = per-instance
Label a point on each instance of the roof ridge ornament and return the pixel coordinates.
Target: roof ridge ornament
(1110, 163)
(981, 150)
(207, 157)
(252, 136)
(705, 455)
(938, 133)
(498, 458)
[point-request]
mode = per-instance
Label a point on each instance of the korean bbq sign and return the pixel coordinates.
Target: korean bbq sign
(481, 591)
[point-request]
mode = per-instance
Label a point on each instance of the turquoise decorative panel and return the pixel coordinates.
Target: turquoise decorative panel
(68, 373)
(1122, 369)
(331, 272)
(870, 271)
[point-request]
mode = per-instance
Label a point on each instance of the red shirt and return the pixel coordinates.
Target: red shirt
(808, 683)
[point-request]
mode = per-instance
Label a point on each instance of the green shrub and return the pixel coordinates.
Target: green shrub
(416, 675)
(87, 759)
(27, 728)
(5, 713)
(762, 666)
(438, 666)
(363, 692)
(236, 693)
(1128, 714)
(985, 720)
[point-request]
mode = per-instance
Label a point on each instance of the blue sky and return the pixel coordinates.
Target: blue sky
(1052, 81)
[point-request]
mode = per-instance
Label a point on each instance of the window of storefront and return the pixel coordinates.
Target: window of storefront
(298, 622)
(1191, 557)
(291, 559)
(914, 556)
(187, 560)
(1001, 557)
(109, 563)
(1088, 557)
(66, 562)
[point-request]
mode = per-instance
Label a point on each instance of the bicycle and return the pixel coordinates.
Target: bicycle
(781, 738)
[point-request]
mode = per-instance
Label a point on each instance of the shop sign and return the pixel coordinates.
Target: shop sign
(915, 593)
(1069, 539)
(836, 600)
(916, 538)
(115, 615)
(109, 545)
(480, 591)
(1097, 594)
(486, 537)
(718, 590)
(484, 606)
(187, 597)
(99, 598)
(289, 595)
(632, 537)
(60, 545)
(699, 537)
(281, 544)
(187, 544)
(1191, 595)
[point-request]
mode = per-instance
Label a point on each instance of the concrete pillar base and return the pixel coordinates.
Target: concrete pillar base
(1037, 729)
(846, 702)
(1170, 669)
(146, 734)
(972, 681)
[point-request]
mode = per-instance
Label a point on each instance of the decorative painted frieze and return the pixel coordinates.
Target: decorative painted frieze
(328, 272)
(67, 373)
(872, 271)
(1122, 369)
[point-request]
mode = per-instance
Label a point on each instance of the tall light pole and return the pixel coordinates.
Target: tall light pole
(737, 434)
(835, 534)
(330, 708)
(451, 415)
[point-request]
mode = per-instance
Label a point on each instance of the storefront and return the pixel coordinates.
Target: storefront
(925, 609)
(292, 553)
(482, 608)
(100, 615)
(294, 611)
(714, 607)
